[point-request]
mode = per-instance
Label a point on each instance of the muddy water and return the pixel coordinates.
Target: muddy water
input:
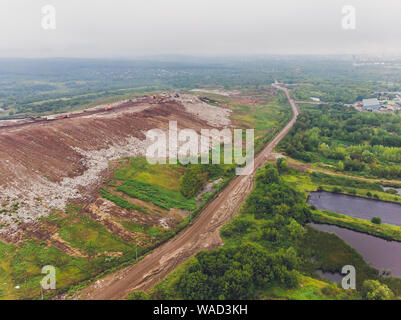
(357, 207)
(379, 253)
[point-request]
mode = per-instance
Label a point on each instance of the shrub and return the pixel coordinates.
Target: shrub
(374, 290)
(281, 164)
(160, 197)
(193, 181)
(138, 295)
(376, 220)
(121, 202)
(329, 290)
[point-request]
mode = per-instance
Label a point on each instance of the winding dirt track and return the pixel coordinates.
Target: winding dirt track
(203, 234)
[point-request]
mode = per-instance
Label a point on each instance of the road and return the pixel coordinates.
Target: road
(203, 234)
(310, 102)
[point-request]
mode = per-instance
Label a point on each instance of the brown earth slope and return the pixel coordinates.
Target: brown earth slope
(45, 164)
(202, 234)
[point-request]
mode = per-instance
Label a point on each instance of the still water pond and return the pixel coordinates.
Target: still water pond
(357, 207)
(379, 253)
(396, 189)
(334, 277)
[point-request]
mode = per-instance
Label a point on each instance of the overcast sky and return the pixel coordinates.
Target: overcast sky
(129, 28)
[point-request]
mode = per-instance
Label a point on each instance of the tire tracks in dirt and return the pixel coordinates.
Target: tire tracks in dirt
(202, 234)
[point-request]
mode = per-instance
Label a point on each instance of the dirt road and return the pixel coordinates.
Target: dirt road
(203, 234)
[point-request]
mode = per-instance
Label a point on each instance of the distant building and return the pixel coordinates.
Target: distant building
(390, 108)
(371, 104)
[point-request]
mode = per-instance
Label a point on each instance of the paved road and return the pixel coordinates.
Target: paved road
(203, 234)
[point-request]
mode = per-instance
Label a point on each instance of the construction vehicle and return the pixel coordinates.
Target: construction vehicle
(108, 108)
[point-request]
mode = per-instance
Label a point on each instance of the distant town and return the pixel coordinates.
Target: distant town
(385, 102)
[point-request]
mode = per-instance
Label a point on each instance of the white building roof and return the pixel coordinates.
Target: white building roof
(370, 102)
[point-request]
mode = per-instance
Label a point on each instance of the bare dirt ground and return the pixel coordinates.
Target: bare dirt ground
(225, 93)
(46, 164)
(202, 234)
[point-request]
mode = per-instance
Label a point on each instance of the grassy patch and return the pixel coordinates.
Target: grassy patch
(146, 229)
(164, 176)
(88, 234)
(121, 202)
(160, 197)
(385, 231)
(308, 289)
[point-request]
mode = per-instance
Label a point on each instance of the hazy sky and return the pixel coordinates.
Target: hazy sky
(128, 28)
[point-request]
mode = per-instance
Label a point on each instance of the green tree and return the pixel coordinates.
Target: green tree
(90, 250)
(138, 295)
(368, 157)
(271, 175)
(192, 181)
(374, 290)
(376, 220)
(295, 230)
(281, 164)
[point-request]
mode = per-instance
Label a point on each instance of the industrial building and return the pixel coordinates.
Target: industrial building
(371, 104)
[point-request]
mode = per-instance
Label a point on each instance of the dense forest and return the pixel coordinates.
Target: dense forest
(348, 140)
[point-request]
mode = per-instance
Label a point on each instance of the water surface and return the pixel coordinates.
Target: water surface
(379, 253)
(397, 189)
(357, 207)
(334, 277)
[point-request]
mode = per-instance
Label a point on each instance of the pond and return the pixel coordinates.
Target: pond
(379, 253)
(396, 189)
(334, 277)
(357, 207)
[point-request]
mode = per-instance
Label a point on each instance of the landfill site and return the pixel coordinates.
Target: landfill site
(47, 162)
